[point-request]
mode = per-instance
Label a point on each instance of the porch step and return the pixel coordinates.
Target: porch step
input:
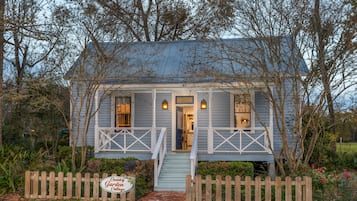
(175, 168)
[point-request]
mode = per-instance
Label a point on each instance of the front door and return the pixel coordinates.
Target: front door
(184, 127)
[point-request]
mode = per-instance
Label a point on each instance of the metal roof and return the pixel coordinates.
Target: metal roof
(186, 61)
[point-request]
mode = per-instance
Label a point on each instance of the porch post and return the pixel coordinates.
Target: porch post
(96, 123)
(271, 123)
(210, 129)
(153, 129)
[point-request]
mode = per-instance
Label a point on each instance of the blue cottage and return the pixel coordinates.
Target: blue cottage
(180, 102)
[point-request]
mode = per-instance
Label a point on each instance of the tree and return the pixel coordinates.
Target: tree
(87, 75)
(123, 21)
(2, 44)
(29, 42)
(326, 40)
(156, 20)
(333, 34)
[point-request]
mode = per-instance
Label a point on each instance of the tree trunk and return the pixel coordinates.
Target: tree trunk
(323, 68)
(2, 44)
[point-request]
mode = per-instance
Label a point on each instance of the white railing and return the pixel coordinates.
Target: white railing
(234, 140)
(124, 139)
(193, 155)
(159, 153)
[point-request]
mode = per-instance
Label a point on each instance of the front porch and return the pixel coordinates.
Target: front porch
(208, 142)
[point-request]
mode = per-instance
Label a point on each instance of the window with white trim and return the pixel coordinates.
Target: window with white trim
(122, 111)
(242, 110)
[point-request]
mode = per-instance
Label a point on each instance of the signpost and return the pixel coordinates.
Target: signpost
(118, 184)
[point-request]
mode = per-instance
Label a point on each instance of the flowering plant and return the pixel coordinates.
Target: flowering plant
(332, 185)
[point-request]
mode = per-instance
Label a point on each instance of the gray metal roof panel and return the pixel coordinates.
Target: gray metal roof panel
(180, 61)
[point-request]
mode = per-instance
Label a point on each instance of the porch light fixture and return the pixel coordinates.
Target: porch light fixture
(244, 121)
(203, 104)
(165, 105)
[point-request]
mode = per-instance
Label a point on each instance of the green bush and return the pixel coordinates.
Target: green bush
(226, 168)
(14, 161)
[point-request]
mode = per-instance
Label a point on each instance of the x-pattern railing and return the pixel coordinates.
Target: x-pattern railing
(247, 138)
(124, 139)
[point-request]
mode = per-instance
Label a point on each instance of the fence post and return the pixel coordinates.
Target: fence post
(267, 188)
(237, 187)
(208, 187)
(60, 185)
(69, 184)
(308, 187)
(298, 191)
(278, 189)
(104, 193)
(43, 184)
(27, 184)
(52, 185)
(218, 188)
(96, 183)
(248, 191)
(78, 185)
(86, 186)
(258, 188)
(34, 183)
(228, 194)
(188, 188)
(288, 192)
(198, 187)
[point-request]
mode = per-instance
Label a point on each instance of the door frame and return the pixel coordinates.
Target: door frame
(174, 115)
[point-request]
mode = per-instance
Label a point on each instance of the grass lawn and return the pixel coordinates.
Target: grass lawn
(350, 147)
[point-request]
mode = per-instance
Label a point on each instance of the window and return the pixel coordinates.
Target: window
(122, 111)
(242, 111)
(184, 99)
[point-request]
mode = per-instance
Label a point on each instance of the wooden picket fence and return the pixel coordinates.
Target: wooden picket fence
(60, 187)
(247, 189)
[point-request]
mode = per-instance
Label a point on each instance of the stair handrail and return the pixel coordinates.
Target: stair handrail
(193, 154)
(159, 153)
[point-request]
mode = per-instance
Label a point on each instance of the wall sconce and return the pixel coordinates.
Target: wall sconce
(244, 121)
(203, 104)
(165, 105)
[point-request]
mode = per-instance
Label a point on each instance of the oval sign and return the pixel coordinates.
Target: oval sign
(117, 184)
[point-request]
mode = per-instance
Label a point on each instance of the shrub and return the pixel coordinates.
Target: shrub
(13, 161)
(332, 185)
(226, 168)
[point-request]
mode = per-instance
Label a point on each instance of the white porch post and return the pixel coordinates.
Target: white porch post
(153, 129)
(210, 129)
(271, 124)
(96, 123)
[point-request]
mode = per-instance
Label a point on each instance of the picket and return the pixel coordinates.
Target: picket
(249, 189)
(60, 187)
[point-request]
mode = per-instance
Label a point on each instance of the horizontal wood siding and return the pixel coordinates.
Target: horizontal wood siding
(81, 111)
(261, 109)
(105, 112)
(221, 109)
(142, 118)
(164, 117)
(202, 121)
(143, 110)
(290, 112)
(221, 115)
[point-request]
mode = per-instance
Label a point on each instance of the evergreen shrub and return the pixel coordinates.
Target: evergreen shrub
(224, 168)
